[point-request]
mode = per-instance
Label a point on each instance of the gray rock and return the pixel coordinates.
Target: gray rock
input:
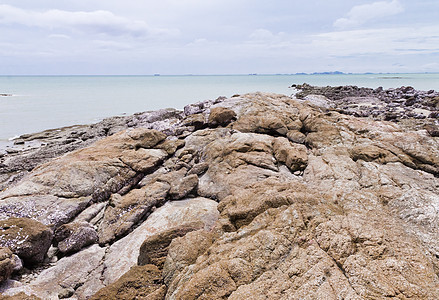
(73, 272)
(72, 237)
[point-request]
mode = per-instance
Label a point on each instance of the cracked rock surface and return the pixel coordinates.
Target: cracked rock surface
(259, 196)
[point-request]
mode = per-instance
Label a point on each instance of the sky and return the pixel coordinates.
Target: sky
(140, 37)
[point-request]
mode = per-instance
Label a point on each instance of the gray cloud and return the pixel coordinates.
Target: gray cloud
(217, 36)
(99, 21)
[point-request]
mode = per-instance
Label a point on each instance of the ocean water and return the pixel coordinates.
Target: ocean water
(44, 102)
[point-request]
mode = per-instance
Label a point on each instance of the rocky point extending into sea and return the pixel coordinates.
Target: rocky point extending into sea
(329, 194)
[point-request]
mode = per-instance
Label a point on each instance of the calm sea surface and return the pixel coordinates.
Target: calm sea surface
(43, 102)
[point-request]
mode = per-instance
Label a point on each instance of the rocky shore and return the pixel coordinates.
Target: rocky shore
(403, 105)
(258, 196)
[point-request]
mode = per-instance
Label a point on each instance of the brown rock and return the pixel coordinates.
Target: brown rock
(261, 124)
(140, 282)
(198, 121)
(294, 156)
(6, 263)
(214, 282)
(27, 238)
(170, 146)
(221, 116)
(184, 186)
(124, 253)
(370, 152)
(155, 249)
(20, 296)
(296, 136)
(432, 130)
(184, 251)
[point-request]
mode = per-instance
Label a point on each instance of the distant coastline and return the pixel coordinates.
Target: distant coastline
(238, 74)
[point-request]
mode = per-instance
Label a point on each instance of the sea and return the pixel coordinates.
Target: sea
(37, 103)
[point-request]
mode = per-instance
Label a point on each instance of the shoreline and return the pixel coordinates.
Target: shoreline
(344, 99)
(43, 103)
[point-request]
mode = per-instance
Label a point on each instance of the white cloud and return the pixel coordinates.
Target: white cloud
(99, 21)
(389, 41)
(361, 14)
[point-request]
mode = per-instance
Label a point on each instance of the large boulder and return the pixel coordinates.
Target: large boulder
(27, 238)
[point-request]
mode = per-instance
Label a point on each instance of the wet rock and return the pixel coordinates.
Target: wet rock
(25, 237)
(393, 105)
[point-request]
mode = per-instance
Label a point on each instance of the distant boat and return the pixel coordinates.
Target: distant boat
(157, 74)
(253, 74)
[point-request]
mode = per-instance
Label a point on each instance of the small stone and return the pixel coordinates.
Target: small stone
(66, 293)
(18, 263)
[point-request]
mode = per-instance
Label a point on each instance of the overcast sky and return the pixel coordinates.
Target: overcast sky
(217, 36)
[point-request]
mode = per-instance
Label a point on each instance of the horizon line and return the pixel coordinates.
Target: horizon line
(335, 73)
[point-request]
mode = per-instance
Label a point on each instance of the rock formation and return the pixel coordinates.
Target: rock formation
(259, 196)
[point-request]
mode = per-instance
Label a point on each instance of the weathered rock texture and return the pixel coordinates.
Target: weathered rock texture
(259, 196)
